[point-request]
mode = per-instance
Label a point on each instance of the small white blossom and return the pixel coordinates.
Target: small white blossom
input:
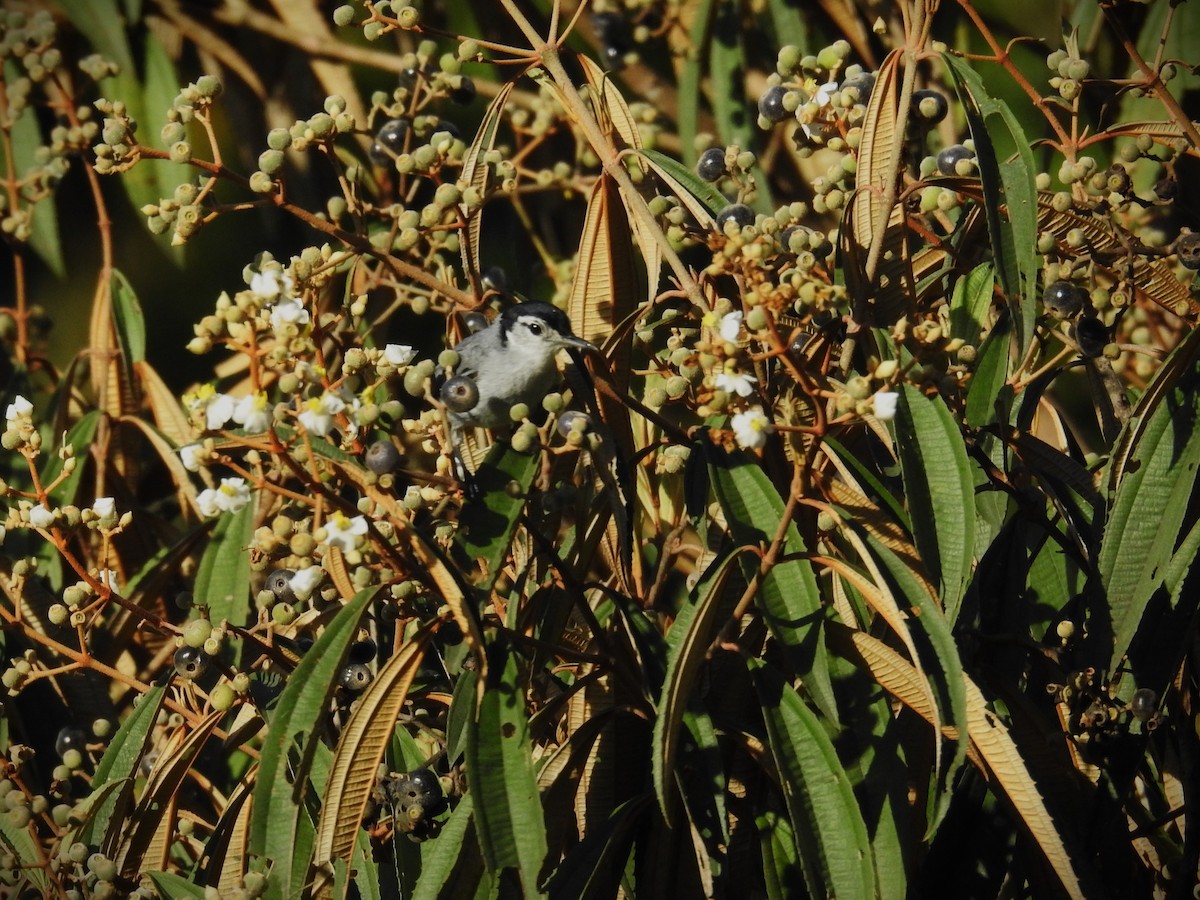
(318, 412)
(219, 411)
(735, 383)
(232, 495)
(398, 354)
(107, 577)
(751, 428)
(105, 508)
(287, 315)
(304, 582)
(40, 517)
(270, 283)
(253, 413)
(193, 456)
(884, 405)
(821, 98)
(343, 532)
(20, 408)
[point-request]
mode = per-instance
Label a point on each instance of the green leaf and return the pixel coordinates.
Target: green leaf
(80, 438)
(829, 830)
(688, 641)
(127, 315)
(706, 193)
(119, 763)
(1008, 185)
(970, 302)
(1154, 468)
(930, 628)
(451, 865)
(488, 524)
(990, 376)
(788, 596)
(175, 887)
(593, 868)
(940, 491)
(223, 578)
(726, 80)
(26, 139)
(281, 829)
(781, 864)
(689, 82)
(508, 812)
(25, 851)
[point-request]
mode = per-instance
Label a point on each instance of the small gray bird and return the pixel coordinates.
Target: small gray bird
(511, 361)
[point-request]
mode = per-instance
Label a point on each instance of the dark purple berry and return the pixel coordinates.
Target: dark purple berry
(1187, 246)
(1143, 704)
(474, 321)
(279, 583)
(354, 677)
(1091, 335)
(862, 84)
(930, 106)
(382, 457)
(190, 662)
(69, 738)
(389, 141)
(738, 213)
(464, 92)
(770, 104)
(460, 394)
(949, 158)
(495, 278)
(798, 234)
(363, 651)
(614, 34)
(567, 421)
(711, 165)
(1064, 299)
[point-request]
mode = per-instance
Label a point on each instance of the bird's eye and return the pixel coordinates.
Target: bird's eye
(535, 328)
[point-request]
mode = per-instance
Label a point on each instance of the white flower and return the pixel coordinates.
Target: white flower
(317, 415)
(731, 326)
(20, 408)
(193, 456)
(105, 508)
(288, 316)
(107, 577)
(398, 354)
(218, 411)
(884, 405)
(40, 517)
(304, 582)
(343, 532)
(270, 283)
(825, 93)
(751, 428)
(821, 98)
(232, 495)
(253, 413)
(735, 383)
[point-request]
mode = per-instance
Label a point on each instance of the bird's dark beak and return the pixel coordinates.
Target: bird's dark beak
(578, 343)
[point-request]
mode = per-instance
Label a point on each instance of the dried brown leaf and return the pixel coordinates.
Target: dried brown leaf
(353, 771)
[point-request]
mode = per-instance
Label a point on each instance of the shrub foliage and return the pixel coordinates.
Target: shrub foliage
(854, 561)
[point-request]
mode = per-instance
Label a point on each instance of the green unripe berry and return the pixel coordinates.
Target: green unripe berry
(196, 632)
(222, 697)
(343, 16)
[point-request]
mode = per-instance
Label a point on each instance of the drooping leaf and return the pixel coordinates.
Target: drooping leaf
(1151, 480)
(831, 836)
(688, 641)
(508, 812)
(487, 526)
(175, 887)
(452, 866)
(939, 489)
(788, 595)
(131, 324)
(119, 764)
(223, 578)
(280, 827)
(360, 750)
(1009, 195)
